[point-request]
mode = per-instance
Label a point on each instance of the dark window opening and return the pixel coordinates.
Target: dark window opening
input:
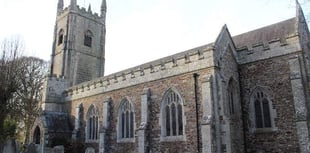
(262, 111)
(36, 135)
(267, 120)
(60, 37)
(88, 39)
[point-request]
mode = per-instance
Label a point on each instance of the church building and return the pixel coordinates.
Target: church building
(239, 94)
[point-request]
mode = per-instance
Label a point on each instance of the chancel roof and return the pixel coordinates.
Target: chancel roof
(266, 34)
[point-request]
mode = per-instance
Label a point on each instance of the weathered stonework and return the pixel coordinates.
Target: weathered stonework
(247, 93)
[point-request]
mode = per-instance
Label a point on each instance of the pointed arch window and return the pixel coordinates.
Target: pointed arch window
(262, 113)
(172, 117)
(60, 36)
(92, 124)
(126, 121)
(88, 38)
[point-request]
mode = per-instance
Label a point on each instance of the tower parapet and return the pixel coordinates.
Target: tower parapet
(88, 13)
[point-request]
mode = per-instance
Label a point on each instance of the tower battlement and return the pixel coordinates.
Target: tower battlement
(80, 11)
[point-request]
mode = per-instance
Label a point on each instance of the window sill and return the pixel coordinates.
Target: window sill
(92, 141)
(172, 138)
(265, 130)
(126, 140)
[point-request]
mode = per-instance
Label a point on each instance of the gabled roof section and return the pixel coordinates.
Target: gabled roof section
(266, 34)
(224, 33)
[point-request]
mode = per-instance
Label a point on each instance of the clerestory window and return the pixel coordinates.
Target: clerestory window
(92, 124)
(126, 121)
(172, 117)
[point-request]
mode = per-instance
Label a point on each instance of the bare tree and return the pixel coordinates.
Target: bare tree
(10, 51)
(28, 94)
(21, 81)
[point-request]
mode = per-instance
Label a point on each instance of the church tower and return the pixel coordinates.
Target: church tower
(78, 52)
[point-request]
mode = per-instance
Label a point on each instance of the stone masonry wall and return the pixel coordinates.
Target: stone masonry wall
(183, 83)
(273, 73)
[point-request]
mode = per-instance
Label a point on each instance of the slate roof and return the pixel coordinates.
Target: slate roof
(266, 34)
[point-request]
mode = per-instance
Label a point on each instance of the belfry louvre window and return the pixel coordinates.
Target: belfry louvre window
(92, 125)
(60, 36)
(262, 111)
(126, 120)
(172, 116)
(88, 38)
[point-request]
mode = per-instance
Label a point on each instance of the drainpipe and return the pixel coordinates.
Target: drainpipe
(195, 75)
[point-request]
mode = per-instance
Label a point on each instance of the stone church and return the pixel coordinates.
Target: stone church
(245, 93)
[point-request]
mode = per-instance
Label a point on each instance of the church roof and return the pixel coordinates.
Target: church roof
(266, 34)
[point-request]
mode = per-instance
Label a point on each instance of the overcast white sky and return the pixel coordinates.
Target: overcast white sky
(139, 31)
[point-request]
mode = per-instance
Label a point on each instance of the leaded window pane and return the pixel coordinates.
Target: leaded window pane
(174, 120)
(167, 120)
(96, 131)
(180, 120)
(258, 114)
(127, 124)
(267, 120)
(93, 128)
(131, 124)
(123, 125)
(89, 128)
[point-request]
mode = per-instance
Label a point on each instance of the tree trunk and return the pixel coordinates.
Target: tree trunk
(27, 134)
(2, 139)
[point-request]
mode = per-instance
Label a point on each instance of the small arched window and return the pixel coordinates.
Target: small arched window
(126, 121)
(88, 38)
(231, 96)
(172, 117)
(92, 124)
(262, 113)
(60, 36)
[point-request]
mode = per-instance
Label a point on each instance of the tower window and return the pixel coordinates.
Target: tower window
(88, 38)
(60, 36)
